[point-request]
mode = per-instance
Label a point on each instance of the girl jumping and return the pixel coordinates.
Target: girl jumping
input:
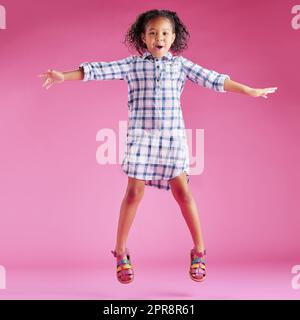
(156, 153)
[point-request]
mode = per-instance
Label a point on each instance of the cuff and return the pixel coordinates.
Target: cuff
(86, 71)
(221, 82)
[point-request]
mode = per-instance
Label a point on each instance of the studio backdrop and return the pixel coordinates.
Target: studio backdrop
(61, 149)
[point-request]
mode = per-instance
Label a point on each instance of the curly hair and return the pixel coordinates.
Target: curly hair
(133, 36)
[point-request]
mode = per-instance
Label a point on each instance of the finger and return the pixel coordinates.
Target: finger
(268, 90)
(272, 89)
(51, 82)
(47, 82)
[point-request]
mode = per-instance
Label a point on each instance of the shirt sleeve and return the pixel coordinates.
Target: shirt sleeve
(204, 77)
(106, 70)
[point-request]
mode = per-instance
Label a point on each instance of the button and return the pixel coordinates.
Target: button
(157, 80)
(157, 67)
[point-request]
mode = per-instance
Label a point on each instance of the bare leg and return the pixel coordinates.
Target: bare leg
(184, 198)
(133, 196)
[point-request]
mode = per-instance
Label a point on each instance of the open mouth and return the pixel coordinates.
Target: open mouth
(159, 47)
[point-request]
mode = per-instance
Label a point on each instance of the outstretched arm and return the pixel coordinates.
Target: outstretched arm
(52, 76)
(232, 86)
(102, 70)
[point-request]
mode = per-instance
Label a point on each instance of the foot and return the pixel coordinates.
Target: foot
(198, 265)
(124, 268)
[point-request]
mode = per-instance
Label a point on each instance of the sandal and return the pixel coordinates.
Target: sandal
(124, 268)
(197, 269)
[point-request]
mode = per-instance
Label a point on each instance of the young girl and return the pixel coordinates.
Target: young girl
(156, 146)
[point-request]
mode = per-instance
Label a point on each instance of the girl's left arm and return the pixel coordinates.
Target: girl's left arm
(232, 86)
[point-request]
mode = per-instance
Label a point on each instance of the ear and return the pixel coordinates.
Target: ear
(143, 37)
(174, 36)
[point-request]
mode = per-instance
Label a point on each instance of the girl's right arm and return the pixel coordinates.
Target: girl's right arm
(91, 71)
(53, 76)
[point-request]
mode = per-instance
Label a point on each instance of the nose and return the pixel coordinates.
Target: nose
(160, 37)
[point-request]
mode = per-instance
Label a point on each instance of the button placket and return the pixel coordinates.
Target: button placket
(157, 73)
(157, 85)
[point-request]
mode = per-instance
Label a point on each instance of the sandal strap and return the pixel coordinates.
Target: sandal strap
(123, 267)
(198, 254)
(128, 272)
(198, 260)
(126, 253)
(123, 261)
(198, 265)
(198, 271)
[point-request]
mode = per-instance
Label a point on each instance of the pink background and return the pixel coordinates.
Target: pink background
(59, 207)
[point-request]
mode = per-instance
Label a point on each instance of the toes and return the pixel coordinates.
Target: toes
(126, 278)
(125, 275)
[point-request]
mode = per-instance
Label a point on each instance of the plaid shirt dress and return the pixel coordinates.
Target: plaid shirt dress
(156, 144)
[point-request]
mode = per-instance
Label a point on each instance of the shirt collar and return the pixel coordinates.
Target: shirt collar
(148, 55)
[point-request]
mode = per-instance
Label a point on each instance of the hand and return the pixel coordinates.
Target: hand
(50, 77)
(261, 92)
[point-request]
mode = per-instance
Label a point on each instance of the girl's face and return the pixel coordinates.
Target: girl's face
(158, 36)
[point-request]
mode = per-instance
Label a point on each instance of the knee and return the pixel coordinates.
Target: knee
(183, 196)
(134, 195)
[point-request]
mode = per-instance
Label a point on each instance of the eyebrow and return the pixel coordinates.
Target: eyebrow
(163, 29)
